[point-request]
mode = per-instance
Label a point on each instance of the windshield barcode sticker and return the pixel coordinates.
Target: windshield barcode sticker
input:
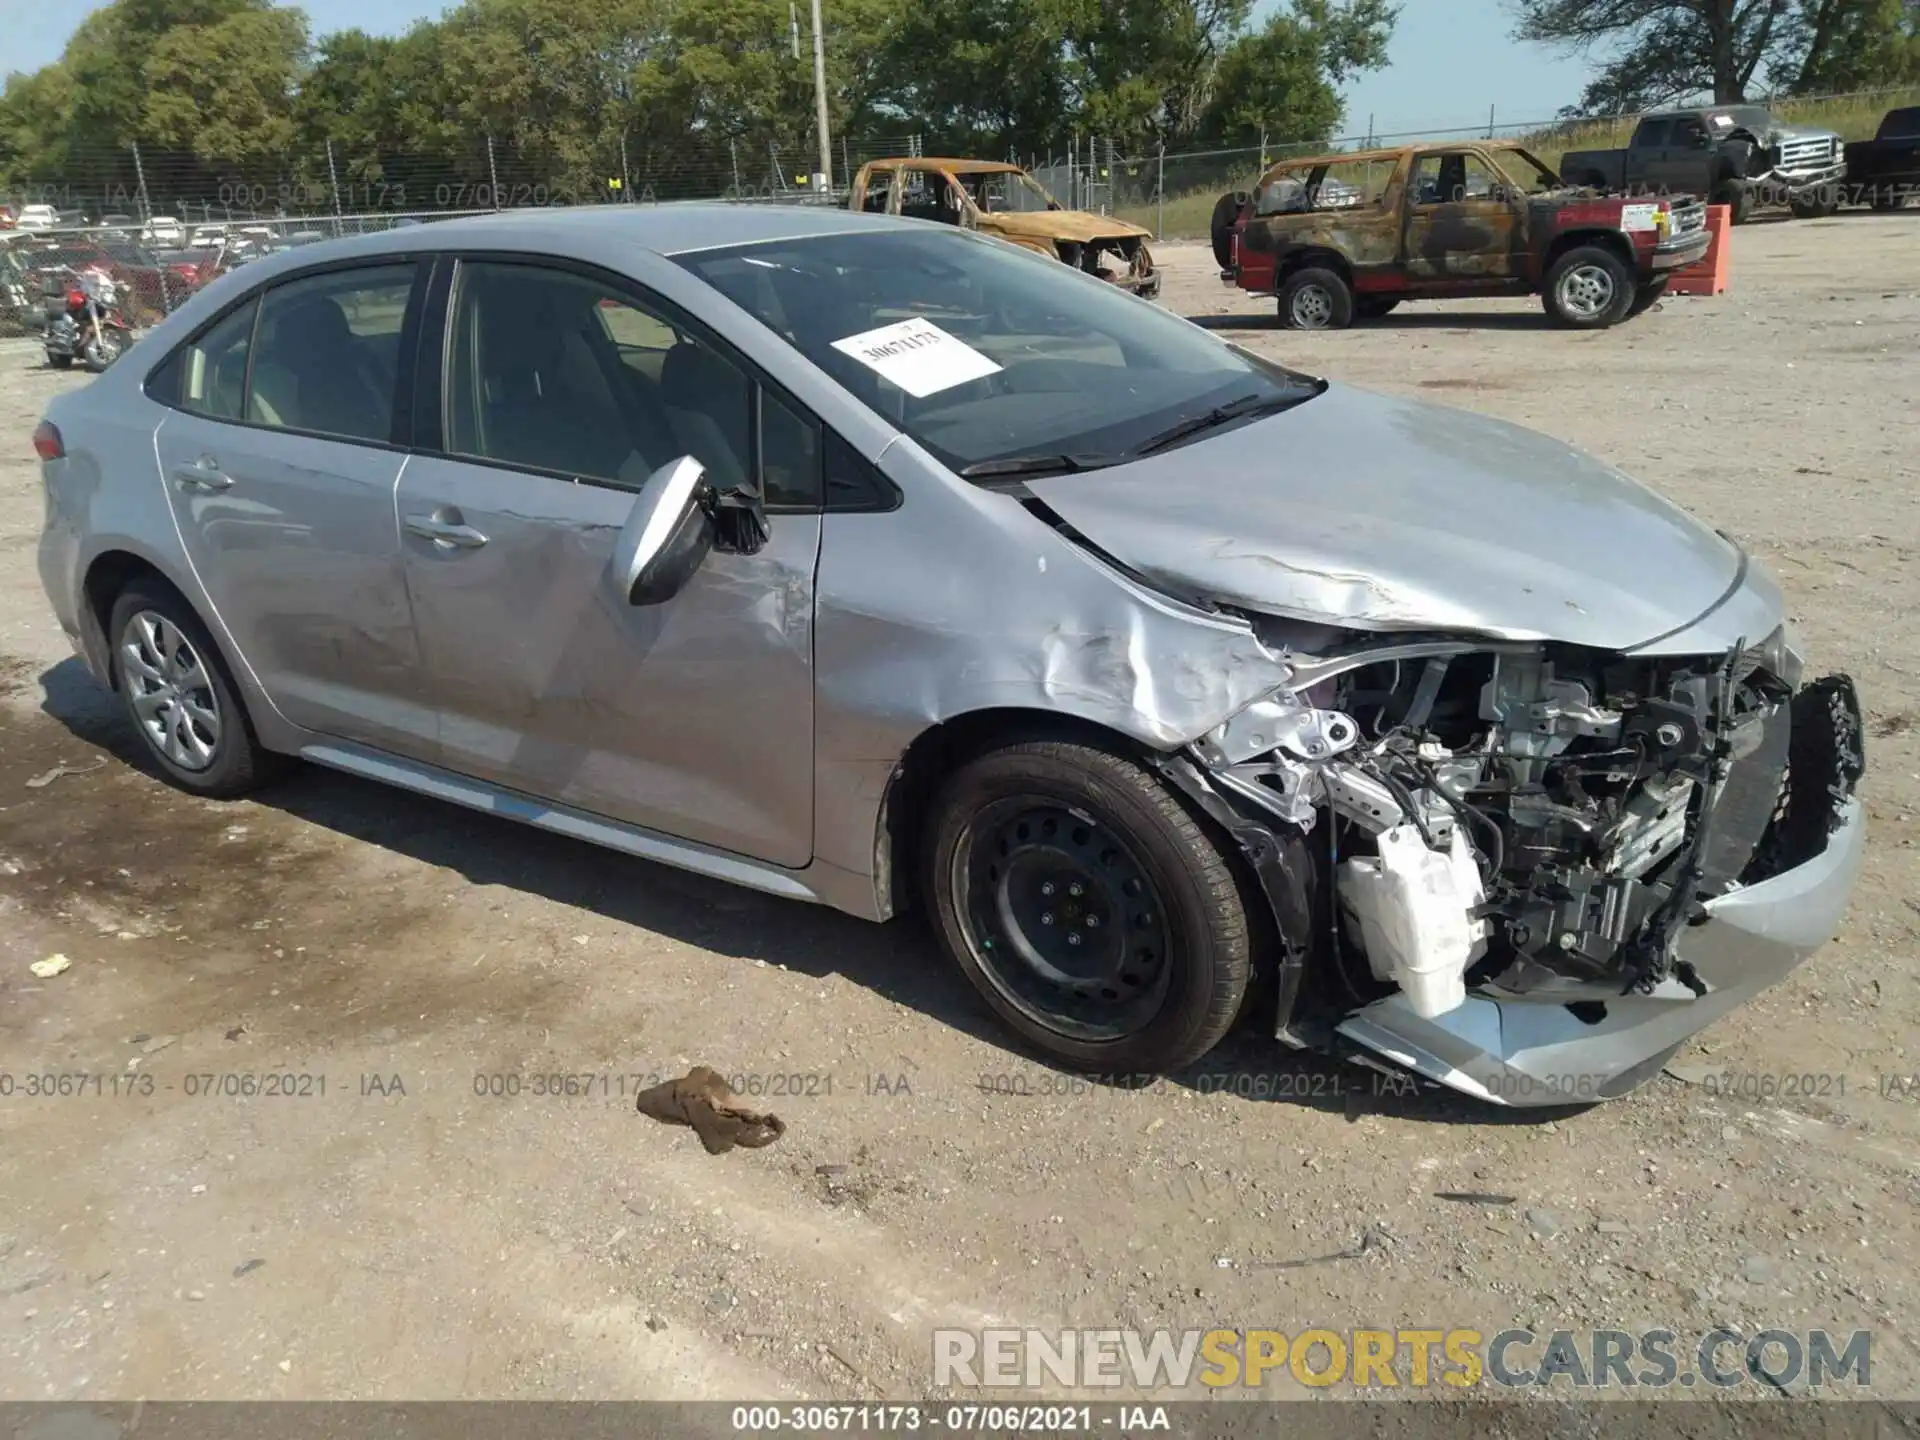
(918, 356)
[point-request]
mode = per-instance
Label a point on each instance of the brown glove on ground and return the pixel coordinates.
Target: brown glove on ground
(700, 1098)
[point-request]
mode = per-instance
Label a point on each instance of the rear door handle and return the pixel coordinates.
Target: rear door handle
(201, 475)
(446, 534)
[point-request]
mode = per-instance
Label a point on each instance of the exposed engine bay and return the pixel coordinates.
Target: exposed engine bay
(1536, 820)
(1114, 259)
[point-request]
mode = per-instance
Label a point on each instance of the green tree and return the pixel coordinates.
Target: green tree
(224, 92)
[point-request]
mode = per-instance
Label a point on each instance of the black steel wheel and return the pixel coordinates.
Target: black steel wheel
(1091, 911)
(1067, 925)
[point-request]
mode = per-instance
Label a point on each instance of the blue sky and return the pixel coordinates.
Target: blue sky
(1451, 59)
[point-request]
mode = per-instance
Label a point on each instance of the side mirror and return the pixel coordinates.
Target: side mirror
(677, 519)
(1702, 140)
(667, 535)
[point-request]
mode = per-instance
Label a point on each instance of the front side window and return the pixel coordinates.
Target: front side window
(552, 370)
(327, 355)
(984, 352)
(1452, 179)
(1652, 134)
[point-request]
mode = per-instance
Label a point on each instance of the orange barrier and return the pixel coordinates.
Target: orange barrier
(1708, 274)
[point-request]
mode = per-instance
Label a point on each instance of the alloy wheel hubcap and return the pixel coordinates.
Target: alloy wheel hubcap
(1064, 921)
(1312, 308)
(1587, 291)
(171, 692)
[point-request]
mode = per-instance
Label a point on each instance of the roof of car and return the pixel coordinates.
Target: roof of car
(673, 228)
(1392, 152)
(940, 162)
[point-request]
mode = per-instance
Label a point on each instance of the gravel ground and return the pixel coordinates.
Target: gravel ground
(401, 1235)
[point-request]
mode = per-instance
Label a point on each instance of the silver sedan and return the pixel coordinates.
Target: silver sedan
(876, 563)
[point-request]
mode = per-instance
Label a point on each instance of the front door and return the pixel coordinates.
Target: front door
(1462, 220)
(563, 391)
(279, 459)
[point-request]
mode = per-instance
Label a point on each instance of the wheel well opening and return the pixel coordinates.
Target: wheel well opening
(935, 754)
(1310, 259)
(109, 574)
(1609, 240)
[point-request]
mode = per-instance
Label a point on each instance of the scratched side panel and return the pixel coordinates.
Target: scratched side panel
(962, 600)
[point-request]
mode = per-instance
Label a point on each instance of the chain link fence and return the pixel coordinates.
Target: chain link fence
(161, 225)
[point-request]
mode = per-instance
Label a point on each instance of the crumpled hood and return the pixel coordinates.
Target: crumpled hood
(1801, 132)
(1058, 225)
(1379, 513)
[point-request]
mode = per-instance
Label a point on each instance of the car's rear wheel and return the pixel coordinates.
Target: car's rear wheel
(180, 697)
(1087, 906)
(1589, 288)
(1316, 299)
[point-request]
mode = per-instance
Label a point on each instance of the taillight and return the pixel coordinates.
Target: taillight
(47, 443)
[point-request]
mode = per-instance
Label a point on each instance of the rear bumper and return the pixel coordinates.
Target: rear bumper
(1537, 1053)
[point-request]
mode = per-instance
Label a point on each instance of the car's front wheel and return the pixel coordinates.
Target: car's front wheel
(179, 697)
(1589, 288)
(1087, 906)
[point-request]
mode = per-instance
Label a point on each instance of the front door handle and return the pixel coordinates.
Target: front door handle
(203, 474)
(446, 534)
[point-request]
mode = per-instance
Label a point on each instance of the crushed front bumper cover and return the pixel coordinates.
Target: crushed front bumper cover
(1519, 1052)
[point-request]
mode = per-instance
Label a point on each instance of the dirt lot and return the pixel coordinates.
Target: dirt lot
(401, 1235)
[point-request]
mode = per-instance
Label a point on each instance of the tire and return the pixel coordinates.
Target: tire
(1648, 296)
(149, 619)
(1738, 199)
(60, 362)
(1375, 307)
(1226, 210)
(100, 357)
(1315, 299)
(1147, 995)
(1589, 288)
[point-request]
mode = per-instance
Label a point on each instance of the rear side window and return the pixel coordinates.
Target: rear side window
(327, 355)
(208, 376)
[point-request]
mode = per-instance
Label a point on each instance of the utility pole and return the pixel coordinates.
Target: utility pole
(820, 100)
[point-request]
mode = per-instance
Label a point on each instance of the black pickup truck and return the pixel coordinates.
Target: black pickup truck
(1884, 172)
(1737, 155)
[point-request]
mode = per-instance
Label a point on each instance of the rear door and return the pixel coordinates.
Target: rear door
(280, 456)
(1686, 164)
(564, 388)
(1647, 152)
(1463, 220)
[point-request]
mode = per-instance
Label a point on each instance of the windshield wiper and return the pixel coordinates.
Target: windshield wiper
(1036, 465)
(1235, 409)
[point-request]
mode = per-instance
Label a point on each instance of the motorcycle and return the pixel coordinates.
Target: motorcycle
(84, 322)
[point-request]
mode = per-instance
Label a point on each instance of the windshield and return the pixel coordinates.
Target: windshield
(982, 352)
(1006, 191)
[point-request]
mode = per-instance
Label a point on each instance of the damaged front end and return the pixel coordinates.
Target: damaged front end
(1530, 870)
(1122, 260)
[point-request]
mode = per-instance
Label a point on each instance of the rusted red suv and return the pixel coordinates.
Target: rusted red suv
(1349, 236)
